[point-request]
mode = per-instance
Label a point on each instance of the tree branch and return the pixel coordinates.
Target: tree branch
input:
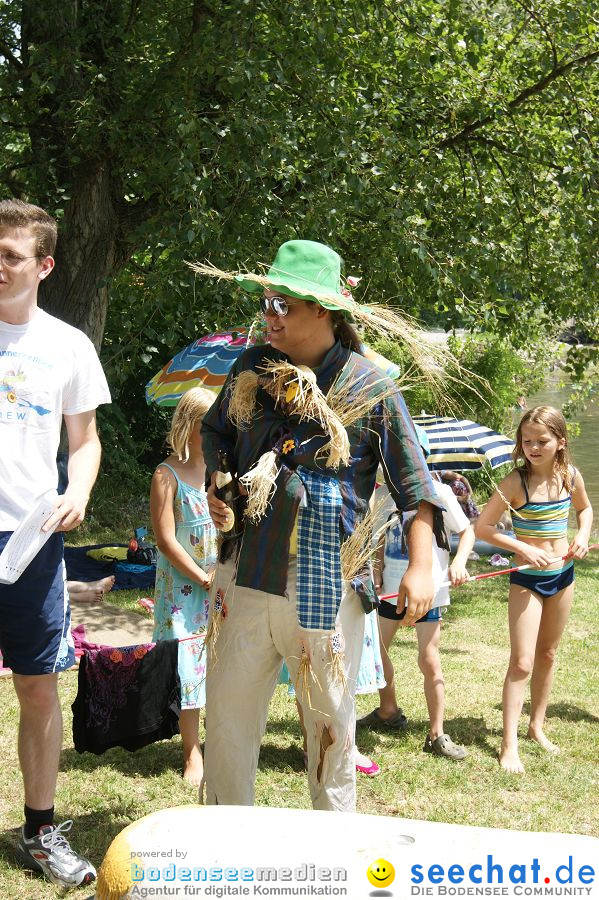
(514, 193)
(10, 58)
(521, 98)
(543, 27)
(499, 145)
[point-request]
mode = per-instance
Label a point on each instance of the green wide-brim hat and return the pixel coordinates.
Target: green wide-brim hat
(306, 270)
(309, 270)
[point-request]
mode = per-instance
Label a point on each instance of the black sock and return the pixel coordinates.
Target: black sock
(35, 818)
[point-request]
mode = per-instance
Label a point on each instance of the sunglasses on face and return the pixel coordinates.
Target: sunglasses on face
(278, 305)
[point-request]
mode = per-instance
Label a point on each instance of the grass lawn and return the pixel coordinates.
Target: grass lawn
(104, 794)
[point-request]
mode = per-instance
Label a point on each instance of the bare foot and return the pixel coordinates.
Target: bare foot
(94, 596)
(510, 761)
(542, 740)
(90, 591)
(103, 584)
(193, 768)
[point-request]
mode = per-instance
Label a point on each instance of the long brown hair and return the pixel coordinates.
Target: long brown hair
(554, 420)
(345, 333)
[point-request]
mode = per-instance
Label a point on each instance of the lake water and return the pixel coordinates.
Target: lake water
(584, 448)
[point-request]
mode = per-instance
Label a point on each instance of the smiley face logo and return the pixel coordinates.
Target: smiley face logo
(380, 873)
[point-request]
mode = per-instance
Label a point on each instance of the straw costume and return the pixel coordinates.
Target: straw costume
(306, 444)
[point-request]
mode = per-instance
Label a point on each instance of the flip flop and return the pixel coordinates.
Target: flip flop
(372, 770)
(398, 722)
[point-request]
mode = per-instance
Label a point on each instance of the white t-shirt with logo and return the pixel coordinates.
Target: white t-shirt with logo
(47, 369)
(396, 562)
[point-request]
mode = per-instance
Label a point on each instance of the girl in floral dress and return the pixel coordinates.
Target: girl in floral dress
(186, 541)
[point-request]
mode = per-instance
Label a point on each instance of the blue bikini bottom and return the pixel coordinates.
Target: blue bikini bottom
(543, 582)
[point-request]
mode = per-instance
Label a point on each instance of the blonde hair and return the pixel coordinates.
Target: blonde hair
(552, 419)
(191, 409)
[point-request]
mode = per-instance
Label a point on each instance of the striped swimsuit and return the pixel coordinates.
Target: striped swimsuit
(544, 520)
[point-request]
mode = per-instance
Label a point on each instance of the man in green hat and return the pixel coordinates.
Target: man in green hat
(318, 420)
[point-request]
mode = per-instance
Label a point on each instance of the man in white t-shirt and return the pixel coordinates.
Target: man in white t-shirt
(49, 371)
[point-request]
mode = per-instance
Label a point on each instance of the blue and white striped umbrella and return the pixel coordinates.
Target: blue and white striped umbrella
(459, 444)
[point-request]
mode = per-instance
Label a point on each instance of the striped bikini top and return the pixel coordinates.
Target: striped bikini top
(541, 518)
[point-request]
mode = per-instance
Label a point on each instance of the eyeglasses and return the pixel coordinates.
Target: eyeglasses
(279, 305)
(12, 260)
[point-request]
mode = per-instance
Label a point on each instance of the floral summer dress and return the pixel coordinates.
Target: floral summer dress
(180, 605)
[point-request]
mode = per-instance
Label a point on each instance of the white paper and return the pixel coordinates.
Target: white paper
(27, 539)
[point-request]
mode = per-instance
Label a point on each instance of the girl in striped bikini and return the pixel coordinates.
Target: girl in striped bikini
(538, 494)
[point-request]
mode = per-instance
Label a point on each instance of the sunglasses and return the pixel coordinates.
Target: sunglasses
(279, 305)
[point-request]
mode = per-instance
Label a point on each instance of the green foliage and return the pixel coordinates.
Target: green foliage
(446, 150)
(124, 444)
(495, 376)
(449, 146)
(509, 373)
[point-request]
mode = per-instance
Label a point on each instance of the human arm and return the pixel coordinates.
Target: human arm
(411, 487)
(458, 573)
(162, 497)
(579, 547)
(84, 461)
(486, 526)
(378, 560)
(416, 589)
(218, 434)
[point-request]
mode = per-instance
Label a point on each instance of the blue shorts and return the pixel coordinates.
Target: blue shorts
(389, 611)
(35, 618)
(545, 583)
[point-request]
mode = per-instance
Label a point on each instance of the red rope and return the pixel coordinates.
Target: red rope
(493, 574)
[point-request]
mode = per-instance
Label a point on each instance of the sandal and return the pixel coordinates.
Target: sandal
(398, 722)
(444, 746)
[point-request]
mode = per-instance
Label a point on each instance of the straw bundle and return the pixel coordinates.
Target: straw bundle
(242, 403)
(337, 648)
(358, 549)
(295, 390)
(260, 483)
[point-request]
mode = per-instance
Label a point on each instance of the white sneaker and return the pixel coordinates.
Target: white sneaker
(50, 852)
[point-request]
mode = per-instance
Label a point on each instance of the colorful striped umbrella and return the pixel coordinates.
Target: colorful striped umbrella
(203, 363)
(207, 360)
(460, 444)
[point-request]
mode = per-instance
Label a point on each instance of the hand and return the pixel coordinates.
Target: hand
(534, 556)
(578, 549)
(219, 511)
(206, 582)
(69, 512)
(458, 574)
(417, 587)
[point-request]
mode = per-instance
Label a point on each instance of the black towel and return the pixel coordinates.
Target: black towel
(127, 697)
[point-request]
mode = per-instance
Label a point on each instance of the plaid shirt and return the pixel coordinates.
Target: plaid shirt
(383, 436)
(319, 581)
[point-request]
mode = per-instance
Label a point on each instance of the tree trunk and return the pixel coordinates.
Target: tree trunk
(88, 255)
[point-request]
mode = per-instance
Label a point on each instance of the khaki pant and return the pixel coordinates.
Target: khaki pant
(259, 631)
